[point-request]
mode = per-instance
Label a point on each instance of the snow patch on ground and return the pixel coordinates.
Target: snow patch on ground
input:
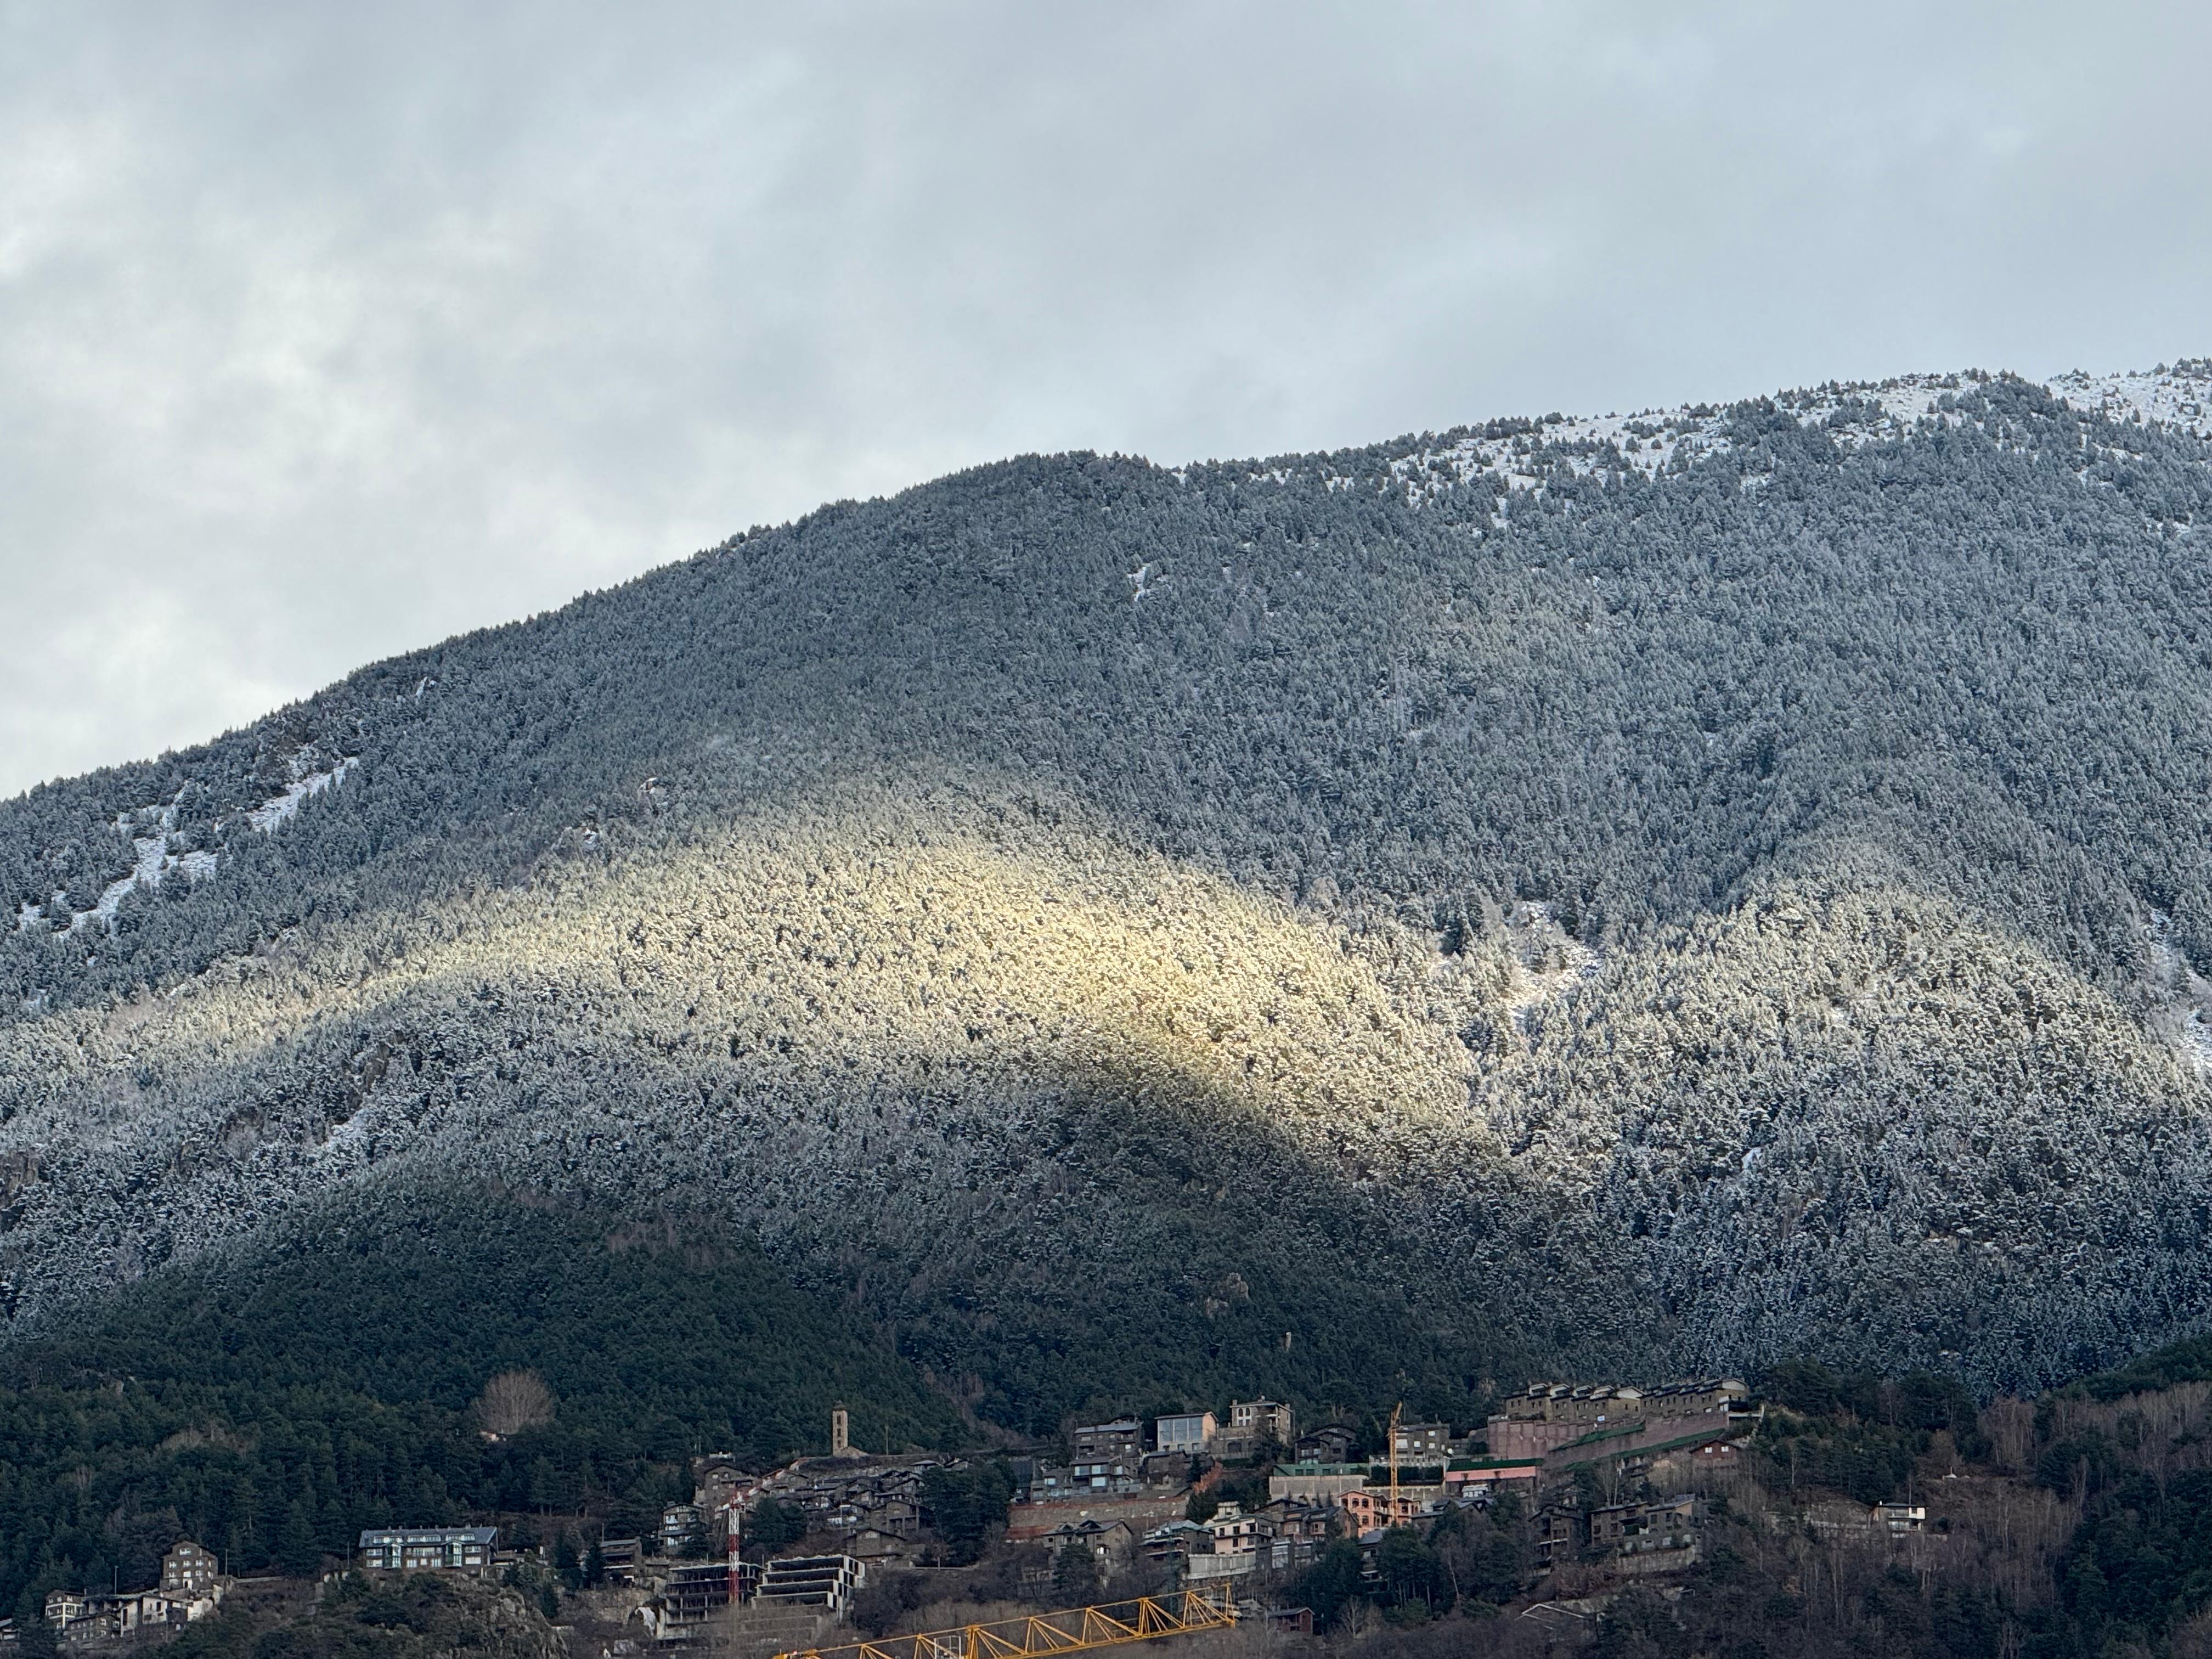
(2179, 395)
(304, 786)
(1652, 440)
(2183, 998)
(151, 831)
(349, 1143)
(1646, 442)
(152, 863)
(1548, 961)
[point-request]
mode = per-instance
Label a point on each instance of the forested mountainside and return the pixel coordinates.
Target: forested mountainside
(1667, 892)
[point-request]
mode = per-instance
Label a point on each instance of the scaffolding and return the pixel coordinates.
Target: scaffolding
(1074, 1629)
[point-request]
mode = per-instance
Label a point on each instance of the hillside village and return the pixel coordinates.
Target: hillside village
(1608, 1481)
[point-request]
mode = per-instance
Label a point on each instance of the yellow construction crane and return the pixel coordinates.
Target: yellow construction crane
(1075, 1629)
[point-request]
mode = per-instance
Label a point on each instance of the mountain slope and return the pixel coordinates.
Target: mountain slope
(1666, 892)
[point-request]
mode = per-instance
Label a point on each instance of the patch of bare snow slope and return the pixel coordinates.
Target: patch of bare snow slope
(349, 1144)
(1650, 440)
(152, 864)
(2183, 999)
(147, 872)
(2178, 395)
(305, 785)
(1549, 960)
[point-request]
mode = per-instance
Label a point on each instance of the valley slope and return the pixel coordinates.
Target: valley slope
(1666, 893)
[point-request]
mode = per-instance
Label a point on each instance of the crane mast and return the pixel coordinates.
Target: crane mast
(1396, 1412)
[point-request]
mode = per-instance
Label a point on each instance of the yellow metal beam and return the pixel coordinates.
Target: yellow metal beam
(1072, 1630)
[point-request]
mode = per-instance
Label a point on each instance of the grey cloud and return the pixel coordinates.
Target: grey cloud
(327, 331)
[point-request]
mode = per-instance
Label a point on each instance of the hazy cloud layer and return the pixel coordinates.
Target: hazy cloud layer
(325, 332)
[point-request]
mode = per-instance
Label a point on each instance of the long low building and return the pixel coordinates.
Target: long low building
(1325, 1481)
(827, 1581)
(1481, 1472)
(1550, 1415)
(1707, 1437)
(1203, 1569)
(430, 1549)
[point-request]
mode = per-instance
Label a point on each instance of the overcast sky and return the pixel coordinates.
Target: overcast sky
(330, 331)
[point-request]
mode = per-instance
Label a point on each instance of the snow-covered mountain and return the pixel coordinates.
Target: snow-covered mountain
(1678, 889)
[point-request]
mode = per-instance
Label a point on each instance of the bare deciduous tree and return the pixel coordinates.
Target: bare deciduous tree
(514, 1401)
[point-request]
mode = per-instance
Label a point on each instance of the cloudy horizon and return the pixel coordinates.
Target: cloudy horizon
(328, 334)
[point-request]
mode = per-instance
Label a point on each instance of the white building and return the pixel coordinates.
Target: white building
(429, 1549)
(1186, 1431)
